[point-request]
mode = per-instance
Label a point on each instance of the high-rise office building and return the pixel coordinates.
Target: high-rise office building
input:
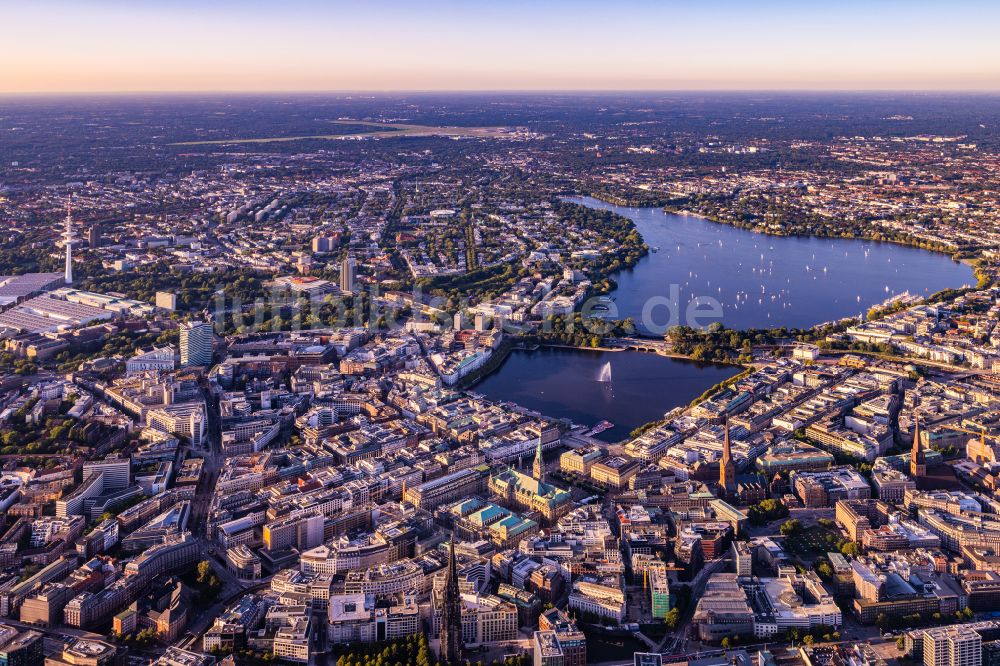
(952, 646)
(742, 558)
(347, 275)
(323, 244)
(117, 472)
(196, 343)
(21, 647)
(659, 589)
(166, 300)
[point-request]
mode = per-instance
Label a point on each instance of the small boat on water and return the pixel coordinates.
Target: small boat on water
(599, 428)
(602, 304)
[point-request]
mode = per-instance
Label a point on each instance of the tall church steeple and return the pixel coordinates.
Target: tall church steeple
(727, 468)
(538, 468)
(918, 462)
(451, 615)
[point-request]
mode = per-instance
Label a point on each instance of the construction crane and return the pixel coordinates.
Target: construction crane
(666, 567)
(981, 434)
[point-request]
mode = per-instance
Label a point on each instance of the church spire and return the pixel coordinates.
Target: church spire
(918, 461)
(538, 468)
(727, 469)
(451, 614)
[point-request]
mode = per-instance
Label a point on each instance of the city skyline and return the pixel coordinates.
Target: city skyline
(536, 379)
(112, 46)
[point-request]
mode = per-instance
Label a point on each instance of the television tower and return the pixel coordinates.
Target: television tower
(68, 238)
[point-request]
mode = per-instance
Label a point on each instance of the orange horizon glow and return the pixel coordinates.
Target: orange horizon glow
(56, 46)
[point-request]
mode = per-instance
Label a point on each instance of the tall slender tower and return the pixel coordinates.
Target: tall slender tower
(918, 462)
(196, 343)
(451, 615)
(347, 274)
(727, 469)
(68, 238)
(538, 467)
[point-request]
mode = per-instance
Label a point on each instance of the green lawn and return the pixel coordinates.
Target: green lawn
(814, 540)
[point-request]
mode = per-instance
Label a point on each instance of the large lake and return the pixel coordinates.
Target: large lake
(759, 281)
(567, 383)
(768, 281)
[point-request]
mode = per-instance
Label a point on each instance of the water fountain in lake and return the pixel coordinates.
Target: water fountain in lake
(604, 376)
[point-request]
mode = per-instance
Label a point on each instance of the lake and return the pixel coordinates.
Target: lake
(758, 281)
(567, 383)
(765, 281)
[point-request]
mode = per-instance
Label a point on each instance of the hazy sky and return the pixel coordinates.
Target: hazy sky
(283, 45)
